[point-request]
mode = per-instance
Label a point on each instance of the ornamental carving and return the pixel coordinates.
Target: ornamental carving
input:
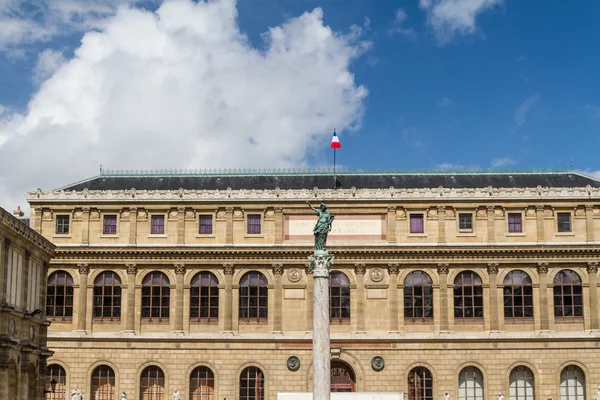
(492, 268)
(179, 269)
(376, 274)
(393, 268)
(228, 269)
(293, 363)
(443, 268)
(131, 269)
(294, 275)
(360, 269)
(278, 269)
(592, 267)
(321, 265)
(377, 363)
(84, 269)
(542, 268)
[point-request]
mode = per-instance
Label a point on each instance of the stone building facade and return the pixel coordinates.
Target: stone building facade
(24, 258)
(471, 284)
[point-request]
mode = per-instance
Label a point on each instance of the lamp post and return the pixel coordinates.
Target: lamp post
(52, 388)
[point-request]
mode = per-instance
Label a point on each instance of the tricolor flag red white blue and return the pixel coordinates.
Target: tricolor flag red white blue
(335, 142)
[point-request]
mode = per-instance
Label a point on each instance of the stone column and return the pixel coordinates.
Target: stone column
(539, 214)
(179, 273)
(278, 225)
(359, 270)
(133, 213)
(592, 270)
(278, 293)
(229, 225)
(228, 270)
(181, 226)
(391, 224)
(492, 270)
(309, 298)
(393, 270)
(130, 321)
(37, 222)
(441, 224)
(443, 273)
(25, 280)
(544, 312)
(490, 224)
(84, 271)
(321, 263)
(85, 225)
(589, 222)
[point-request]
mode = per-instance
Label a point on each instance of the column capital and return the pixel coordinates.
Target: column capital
(38, 209)
(539, 207)
(83, 268)
(441, 209)
(85, 209)
(179, 269)
(131, 269)
(277, 269)
(228, 269)
(229, 209)
(133, 209)
(360, 268)
(492, 268)
(490, 208)
(321, 265)
(181, 209)
(589, 207)
(308, 269)
(542, 268)
(592, 267)
(443, 268)
(393, 268)
(391, 208)
(278, 209)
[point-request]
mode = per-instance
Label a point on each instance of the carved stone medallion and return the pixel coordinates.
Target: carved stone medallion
(31, 333)
(293, 363)
(376, 274)
(294, 275)
(377, 363)
(11, 327)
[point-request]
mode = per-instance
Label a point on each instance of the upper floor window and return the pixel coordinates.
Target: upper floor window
(568, 295)
(465, 222)
(156, 296)
(339, 297)
(56, 373)
(468, 295)
(254, 224)
(254, 297)
(107, 296)
(514, 223)
(157, 226)
(418, 297)
(204, 297)
(252, 384)
(205, 225)
(62, 224)
(416, 223)
(518, 296)
(152, 384)
(59, 296)
(110, 225)
(202, 384)
(564, 221)
(103, 383)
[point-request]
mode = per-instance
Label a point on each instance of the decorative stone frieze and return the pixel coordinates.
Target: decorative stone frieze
(83, 268)
(228, 269)
(321, 264)
(393, 268)
(179, 269)
(443, 268)
(131, 269)
(592, 267)
(542, 268)
(360, 268)
(277, 269)
(492, 268)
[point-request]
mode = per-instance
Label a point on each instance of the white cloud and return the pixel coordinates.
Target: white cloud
(47, 63)
(525, 108)
(451, 167)
(588, 172)
(397, 27)
(183, 88)
(449, 18)
(502, 162)
(445, 102)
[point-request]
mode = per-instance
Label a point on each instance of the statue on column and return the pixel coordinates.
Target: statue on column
(123, 395)
(76, 394)
(176, 395)
(446, 396)
(500, 397)
(322, 227)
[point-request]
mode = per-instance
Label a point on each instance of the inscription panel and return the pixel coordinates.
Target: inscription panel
(344, 228)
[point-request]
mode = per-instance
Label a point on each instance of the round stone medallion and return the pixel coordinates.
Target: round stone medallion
(376, 274)
(377, 363)
(11, 327)
(294, 275)
(31, 333)
(293, 363)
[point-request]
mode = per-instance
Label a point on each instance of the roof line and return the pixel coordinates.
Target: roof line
(586, 176)
(78, 182)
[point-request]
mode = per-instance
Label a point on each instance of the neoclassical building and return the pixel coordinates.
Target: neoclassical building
(470, 283)
(24, 258)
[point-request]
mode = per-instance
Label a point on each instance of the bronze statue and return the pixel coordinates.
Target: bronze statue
(322, 227)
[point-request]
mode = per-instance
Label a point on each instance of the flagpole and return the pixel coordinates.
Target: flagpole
(334, 175)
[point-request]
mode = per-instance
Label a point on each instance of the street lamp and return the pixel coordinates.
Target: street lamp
(52, 386)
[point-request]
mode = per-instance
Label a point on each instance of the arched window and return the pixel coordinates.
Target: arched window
(202, 384)
(521, 384)
(254, 297)
(152, 384)
(204, 297)
(103, 383)
(107, 297)
(418, 297)
(518, 296)
(59, 297)
(252, 384)
(468, 295)
(339, 297)
(342, 377)
(155, 297)
(572, 383)
(420, 384)
(568, 298)
(57, 373)
(470, 384)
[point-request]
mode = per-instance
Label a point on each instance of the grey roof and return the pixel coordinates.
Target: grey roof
(174, 181)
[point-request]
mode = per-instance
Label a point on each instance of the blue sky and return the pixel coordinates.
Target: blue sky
(437, 84)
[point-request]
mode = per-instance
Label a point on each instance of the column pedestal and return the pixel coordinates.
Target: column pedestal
(320, 263)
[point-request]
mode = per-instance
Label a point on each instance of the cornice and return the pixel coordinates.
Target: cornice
(19, 229)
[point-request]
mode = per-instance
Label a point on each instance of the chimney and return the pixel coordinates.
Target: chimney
(18, 213)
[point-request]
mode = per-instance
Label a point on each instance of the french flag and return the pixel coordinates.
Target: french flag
(335, 142)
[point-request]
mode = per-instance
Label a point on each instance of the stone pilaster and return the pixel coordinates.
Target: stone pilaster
(278, 300)
(25, 280)
(278, 225)
(179, 274)
(181, 226)
(592, 270)
(542, 269)
(4, 248)
(539, 214)
(589, 222)
(133, 214)
(359, 270)
(492, 269)
(84, 271)
(229, 225)
(491, 231)
(85, 225)
(37, 219)
(441, 224)
(41, 302)
(391, 224)
(228, 270)
(309, 298)
(443, 276)
(130, 321)
(393, 270)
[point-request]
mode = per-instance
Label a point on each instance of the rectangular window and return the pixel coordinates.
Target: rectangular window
(158, 225)
(514, 223)
(110, 224)
(253, 224)
(62, 224)
(416, 223)
(205, 225)
(564, 222)
(465, 222)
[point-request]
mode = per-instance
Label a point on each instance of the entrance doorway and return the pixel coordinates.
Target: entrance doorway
(342, 377)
